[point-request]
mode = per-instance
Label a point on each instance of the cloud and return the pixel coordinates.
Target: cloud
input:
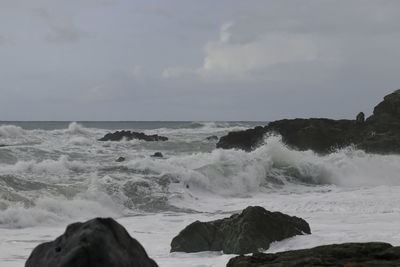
(226, 58)
(62, 27)
(65, 34)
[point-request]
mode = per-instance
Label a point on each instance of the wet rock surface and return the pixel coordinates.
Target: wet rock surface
(128, 135)
(379, 133)
(253, 229)
(157, 155)
(342, 255)
(101, 242)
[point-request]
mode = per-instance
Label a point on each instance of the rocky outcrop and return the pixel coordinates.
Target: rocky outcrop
(380, 133)
(346, 255)
(128, 135)
(253, 229)
(245, 140)
(100, 242)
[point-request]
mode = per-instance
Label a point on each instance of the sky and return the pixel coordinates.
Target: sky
(201, 60)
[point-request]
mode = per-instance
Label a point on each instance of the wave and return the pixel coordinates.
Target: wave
(76, 128)
(85, 179)
(11, 131)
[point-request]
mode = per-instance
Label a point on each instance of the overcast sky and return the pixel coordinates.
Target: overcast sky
(196, 60)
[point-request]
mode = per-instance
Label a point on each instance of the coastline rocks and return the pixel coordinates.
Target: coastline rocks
(128, 135)
(246, 140)
(100, 242)
(253, 229)
(347, 255)
(380, 133)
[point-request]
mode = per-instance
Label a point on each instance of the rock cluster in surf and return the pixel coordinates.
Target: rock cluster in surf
(129, 135)
(347, 255)
(379, 133)
(101, 242)
(253, 229)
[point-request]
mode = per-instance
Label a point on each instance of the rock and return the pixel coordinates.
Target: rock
(157, 155)
(390, 106)
(212, 138)
(101, 242)
(360, 117)
(255, 228)
(380, 133)
(346, 255)
(120, 159)
(128, 135)
(246, 140)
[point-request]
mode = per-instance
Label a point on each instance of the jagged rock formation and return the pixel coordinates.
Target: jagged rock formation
(380, 133)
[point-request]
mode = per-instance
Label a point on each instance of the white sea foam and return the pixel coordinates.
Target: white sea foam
(76, 128)
(11, 131)
(67, 175)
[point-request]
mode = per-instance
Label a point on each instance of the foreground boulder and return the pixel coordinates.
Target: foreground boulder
(343, 255)
(380, 133)
(101, 242)
(128, 135)
(254, 229)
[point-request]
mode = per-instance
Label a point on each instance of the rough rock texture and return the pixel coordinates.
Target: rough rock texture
(255, 228)
(100, 242)
(128, 135)
(343, 255)
(380, 133)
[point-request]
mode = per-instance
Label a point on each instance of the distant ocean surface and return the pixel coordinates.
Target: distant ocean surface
(55, 173)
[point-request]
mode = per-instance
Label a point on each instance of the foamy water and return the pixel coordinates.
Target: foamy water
(52, 175)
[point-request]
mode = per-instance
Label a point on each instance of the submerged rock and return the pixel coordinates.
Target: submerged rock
(128, 135)
(120, 159)
(380, 133)
(346, 255)
(157, 155)
(101, 242)
(254, 229)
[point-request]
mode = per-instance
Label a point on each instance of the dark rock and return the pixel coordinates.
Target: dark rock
(120, 159)
(157, 155)
(128, 135)
(246, 140)
(101, 242)
(255, 228)
(212, 138)
(345, 255)
(380, 133)
(360, 117)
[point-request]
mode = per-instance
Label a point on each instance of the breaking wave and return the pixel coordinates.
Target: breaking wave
(69, 175)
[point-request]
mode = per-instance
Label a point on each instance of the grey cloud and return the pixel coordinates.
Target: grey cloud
(65, 34)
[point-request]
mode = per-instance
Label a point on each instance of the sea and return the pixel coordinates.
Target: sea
(56, 173)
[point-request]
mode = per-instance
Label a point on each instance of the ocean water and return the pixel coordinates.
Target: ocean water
(56, 173)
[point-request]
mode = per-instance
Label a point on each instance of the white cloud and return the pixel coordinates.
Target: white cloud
(225, 58)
